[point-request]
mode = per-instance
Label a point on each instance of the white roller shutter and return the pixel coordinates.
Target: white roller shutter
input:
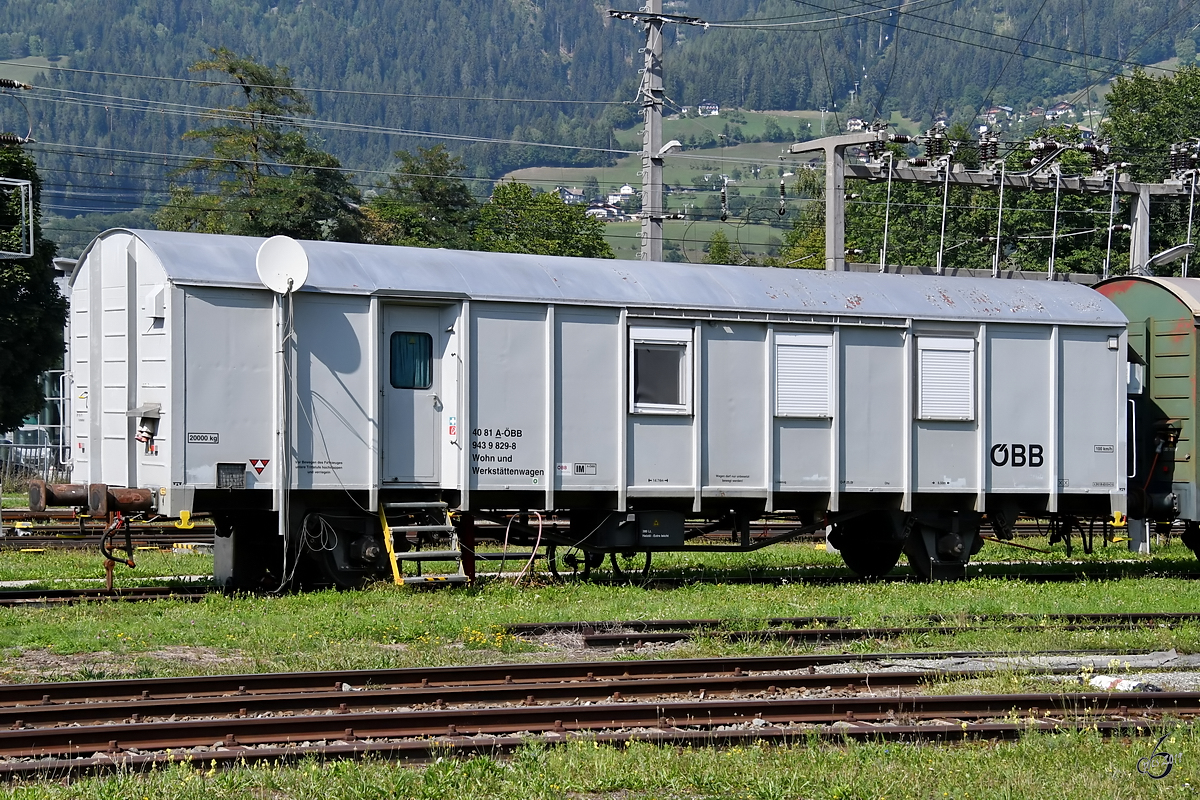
(803, 374)
(946, 378)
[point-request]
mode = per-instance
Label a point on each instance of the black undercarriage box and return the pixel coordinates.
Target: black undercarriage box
(634, 530)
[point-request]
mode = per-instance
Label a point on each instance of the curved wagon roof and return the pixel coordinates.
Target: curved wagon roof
(338, 268)
(1187, 290)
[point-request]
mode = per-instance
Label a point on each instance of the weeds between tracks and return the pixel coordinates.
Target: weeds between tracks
(1081, 764)
(386, 626)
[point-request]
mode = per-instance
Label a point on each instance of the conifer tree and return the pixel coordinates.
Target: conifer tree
(270, 179)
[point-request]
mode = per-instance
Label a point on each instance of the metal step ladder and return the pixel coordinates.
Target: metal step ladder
(430, 522)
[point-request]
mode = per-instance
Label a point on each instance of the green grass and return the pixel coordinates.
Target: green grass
(1036, 766)
(14, 500)
(29, 68)
(387, 626)
(692, 236)
(790, 560)
(50, 565)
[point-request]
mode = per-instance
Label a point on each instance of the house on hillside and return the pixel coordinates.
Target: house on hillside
(708, 108)
(854, 125)
(605, 212)
(571, 196)
(626, 192)
(996, 114)
(1060, 110)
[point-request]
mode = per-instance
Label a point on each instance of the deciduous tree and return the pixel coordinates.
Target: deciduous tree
(32, 311)
(720, 251)
(516, 220)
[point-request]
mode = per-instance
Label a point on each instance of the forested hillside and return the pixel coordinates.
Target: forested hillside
(920, 58)
(386, 75)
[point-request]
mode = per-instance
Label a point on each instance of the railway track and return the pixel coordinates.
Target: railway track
(164, 542)
(85, 726)
(29, 598)
(43, 597)
(813, 630)
(773, 577)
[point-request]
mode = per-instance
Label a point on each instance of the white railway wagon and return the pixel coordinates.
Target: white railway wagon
(629, 396)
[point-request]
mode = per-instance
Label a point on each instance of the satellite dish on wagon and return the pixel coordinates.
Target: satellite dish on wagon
(282, 264)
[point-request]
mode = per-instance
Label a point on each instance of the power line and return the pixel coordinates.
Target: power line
(324, 90)
(218, 114)
(767, 23)
(1017, 49)
(982, 46)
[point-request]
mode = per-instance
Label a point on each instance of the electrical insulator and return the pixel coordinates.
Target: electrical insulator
(900, 138)
(12, 139)
(9, 83)
(782, 198)
(931, 145)
(1099, 159)
(724, 205)
(920, 162)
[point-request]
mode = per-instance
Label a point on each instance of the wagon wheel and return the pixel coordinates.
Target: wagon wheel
(625, 566)
(921, 559)
(1191, 535)
(867, 544)
(571, 563)
(873, 558)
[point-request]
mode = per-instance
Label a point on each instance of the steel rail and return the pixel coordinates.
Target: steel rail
(810, 635)
(772, 577)
(591, 628)
(56, 692)
(427, 750)
(86, 740)
(69, 541)
(54, 597)
(395, 698)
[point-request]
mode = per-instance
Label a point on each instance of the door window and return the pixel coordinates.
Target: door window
(412, 360)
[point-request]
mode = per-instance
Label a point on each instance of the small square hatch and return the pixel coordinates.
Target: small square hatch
(231, 476)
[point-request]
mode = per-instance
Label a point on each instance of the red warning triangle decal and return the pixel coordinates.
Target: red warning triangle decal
(259, 464)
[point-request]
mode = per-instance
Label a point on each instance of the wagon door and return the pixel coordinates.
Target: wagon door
(412, 408)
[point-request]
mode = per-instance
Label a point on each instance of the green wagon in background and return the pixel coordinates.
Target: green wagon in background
(1164, 315)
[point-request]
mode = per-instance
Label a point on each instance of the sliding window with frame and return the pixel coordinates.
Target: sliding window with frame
(660, 370)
